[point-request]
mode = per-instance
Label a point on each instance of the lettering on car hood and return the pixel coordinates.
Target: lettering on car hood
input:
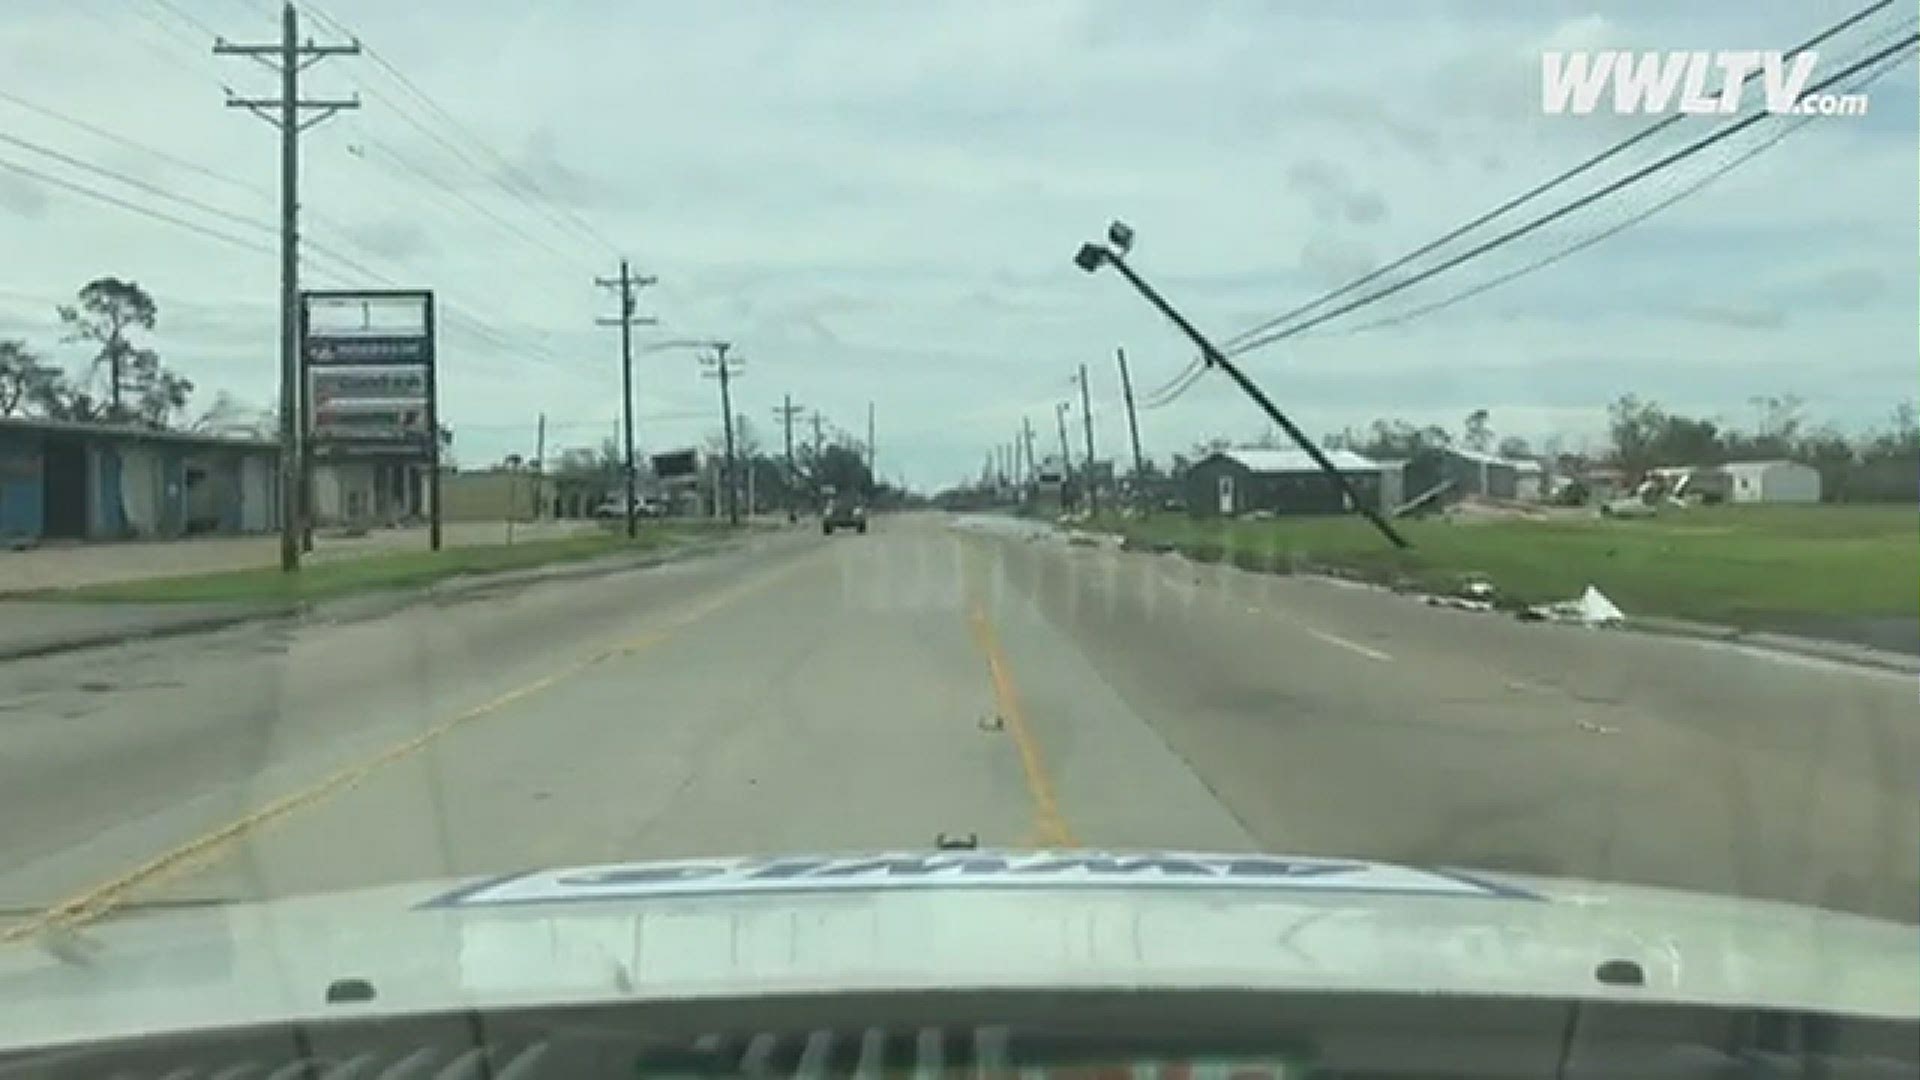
(974, 870)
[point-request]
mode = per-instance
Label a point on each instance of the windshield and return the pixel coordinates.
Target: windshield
(443, 441)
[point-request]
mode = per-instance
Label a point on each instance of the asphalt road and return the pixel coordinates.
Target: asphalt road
(878, 691)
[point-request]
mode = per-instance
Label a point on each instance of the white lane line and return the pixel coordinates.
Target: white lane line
(1333, 639)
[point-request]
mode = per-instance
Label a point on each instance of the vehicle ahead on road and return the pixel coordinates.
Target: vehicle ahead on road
(982, 962)
(843, 512)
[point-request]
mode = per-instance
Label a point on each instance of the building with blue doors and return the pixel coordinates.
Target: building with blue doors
(61, 480)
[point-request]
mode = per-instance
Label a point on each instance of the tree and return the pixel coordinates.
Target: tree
(1477, 432)
(107, 311)
(24, 380)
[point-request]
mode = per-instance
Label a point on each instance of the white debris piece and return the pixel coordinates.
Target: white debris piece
(1592, 608)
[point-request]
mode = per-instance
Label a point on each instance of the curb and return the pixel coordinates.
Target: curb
(1841, 652)
(358, 608)
(180, 628)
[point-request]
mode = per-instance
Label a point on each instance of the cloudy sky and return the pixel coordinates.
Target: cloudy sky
(880, 201)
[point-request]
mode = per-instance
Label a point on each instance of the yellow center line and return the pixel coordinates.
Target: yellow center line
(207, 848)
(1049, 827)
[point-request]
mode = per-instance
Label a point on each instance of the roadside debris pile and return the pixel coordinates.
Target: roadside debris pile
(1475, 593)
(1590, 608)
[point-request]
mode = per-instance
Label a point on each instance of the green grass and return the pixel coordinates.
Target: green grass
(1746, 565)
(385, 571)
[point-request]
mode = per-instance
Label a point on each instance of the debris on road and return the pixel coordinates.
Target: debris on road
(1595, 729)
(1591, 608)
(1461, 603)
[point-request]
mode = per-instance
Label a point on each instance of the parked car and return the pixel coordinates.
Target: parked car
(615, 509)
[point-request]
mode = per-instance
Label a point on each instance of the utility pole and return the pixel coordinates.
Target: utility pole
(289, 58)
(1026, 431)
(1086, 413)
(539, 463)
(723, 370)
(870, 474)
(786, 411)
(817, 420)
(1066, 455)
(627, 282)
(1133, 427)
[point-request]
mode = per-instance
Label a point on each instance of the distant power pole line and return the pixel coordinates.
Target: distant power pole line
(724, 370)
(627, 283)
(289, 58)
(1086, 413)
(1133, 423)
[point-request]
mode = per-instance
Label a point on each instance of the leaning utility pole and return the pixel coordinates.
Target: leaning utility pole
(627, 282)
(289, 58)
(1086, 412)
(723, 370)
(1133, 424)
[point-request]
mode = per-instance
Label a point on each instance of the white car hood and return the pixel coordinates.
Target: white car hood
(952, 920)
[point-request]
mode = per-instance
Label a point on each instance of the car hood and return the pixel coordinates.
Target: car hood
(952, 920)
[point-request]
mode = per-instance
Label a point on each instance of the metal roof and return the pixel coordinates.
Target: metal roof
(1289, 461)
(132, 433)
(1756, 466)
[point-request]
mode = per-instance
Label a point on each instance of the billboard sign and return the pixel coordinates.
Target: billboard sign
(369, 373)
(676, 464)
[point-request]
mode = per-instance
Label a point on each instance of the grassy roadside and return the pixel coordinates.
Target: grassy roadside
(383, 571)
(1745, 566)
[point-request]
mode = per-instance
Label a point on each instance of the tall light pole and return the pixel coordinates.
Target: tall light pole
(1092, 257)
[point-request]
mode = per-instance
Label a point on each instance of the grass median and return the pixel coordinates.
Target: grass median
(1749, 566)
(325, 578)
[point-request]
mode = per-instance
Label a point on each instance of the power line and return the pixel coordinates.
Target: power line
(184, 17)
(131, 144)
(1231, 344)
(437, 187)
(1609, 232)
(144, 211)
(151, 189)
(1182, 381)
(566, 215)
(1548, 218)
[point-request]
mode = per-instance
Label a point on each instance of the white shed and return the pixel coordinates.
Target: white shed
(1771, 481)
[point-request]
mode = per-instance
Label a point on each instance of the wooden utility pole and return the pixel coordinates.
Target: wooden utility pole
(627, 283)
(539, 463)
(1133, 425)
(786, 411)
(724, 371)
(1086, 413)
(289, 58)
